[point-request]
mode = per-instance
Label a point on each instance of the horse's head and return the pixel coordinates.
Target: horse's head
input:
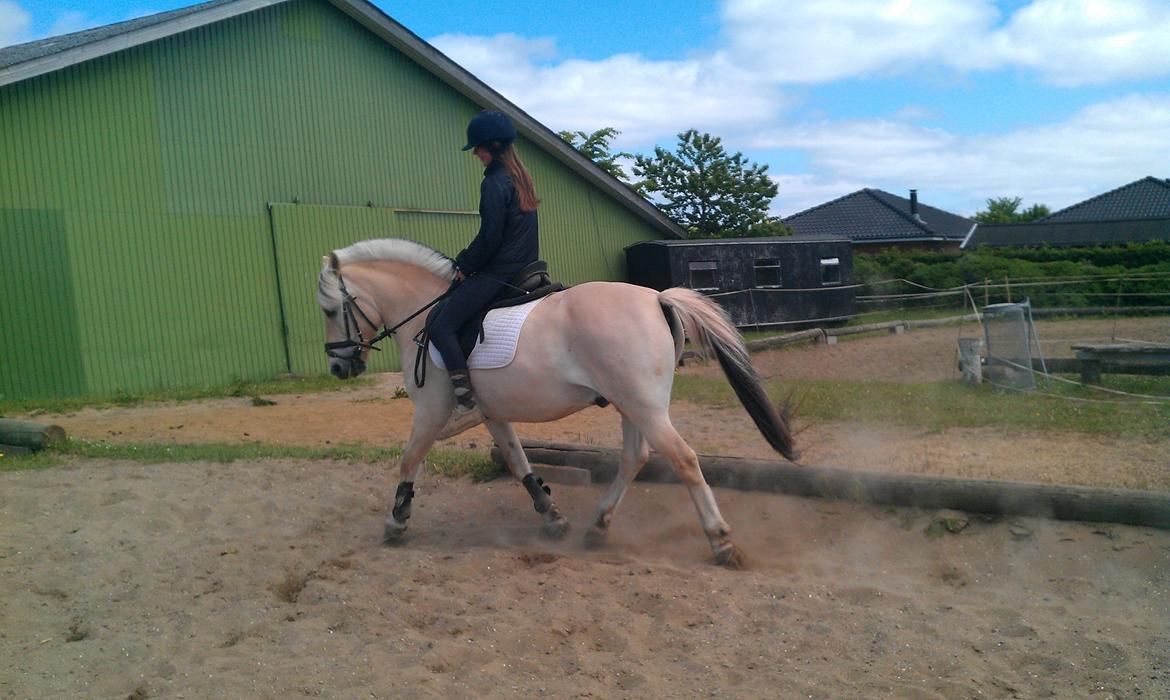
(351, 321)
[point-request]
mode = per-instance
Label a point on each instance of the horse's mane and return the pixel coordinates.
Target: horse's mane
(395, 249)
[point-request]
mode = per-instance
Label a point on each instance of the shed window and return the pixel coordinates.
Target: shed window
(830, 271)
(703, 275)
(768, 272)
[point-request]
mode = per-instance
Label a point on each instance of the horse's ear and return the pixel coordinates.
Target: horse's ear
(332, 261)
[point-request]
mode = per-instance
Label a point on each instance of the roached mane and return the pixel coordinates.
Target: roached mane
(397, 249)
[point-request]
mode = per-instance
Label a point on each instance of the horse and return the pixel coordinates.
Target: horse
(595, 343)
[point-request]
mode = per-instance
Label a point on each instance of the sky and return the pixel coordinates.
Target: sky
(1052, 101)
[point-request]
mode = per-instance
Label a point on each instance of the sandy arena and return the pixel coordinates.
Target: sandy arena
(268, 579)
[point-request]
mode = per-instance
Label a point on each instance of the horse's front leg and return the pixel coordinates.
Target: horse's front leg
(422, 436)
(555, 524)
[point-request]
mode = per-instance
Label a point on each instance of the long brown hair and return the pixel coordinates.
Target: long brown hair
(510, 157)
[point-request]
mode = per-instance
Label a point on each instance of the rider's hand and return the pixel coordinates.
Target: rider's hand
(459, 276)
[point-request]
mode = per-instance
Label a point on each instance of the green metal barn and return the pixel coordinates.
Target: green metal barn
(168, 186)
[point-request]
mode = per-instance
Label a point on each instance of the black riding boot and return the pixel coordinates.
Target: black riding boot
(464, 395)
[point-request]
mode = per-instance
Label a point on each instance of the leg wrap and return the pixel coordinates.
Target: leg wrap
(402, 501)
(539, 492)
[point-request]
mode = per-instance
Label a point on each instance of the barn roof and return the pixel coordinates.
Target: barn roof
(875, 215)
(1073, 233)
(25, 61)
(1146, 198)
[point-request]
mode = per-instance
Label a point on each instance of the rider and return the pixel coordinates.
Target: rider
(507, 241)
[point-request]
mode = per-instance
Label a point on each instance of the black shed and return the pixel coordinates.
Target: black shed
(760, 281)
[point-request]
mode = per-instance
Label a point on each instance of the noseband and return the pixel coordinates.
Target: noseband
(351, 311)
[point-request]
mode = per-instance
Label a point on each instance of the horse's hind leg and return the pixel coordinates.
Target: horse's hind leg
(635, 452)
(555, 524)
(662, 436)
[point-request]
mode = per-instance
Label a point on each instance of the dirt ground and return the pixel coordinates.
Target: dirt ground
(268, 579)
(371, 416)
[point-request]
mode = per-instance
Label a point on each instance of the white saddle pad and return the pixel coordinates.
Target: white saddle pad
(501, 331)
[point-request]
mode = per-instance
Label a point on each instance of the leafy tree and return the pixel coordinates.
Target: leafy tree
(596, 147)
(1003, 210)
(708, 192)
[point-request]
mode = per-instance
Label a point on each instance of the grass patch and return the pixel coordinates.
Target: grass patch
(452, 463)
(239, 388)
(947, 404)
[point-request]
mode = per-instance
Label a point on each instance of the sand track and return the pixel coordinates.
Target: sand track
(268, 580)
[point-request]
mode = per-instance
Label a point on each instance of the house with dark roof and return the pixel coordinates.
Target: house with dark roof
(1133, 213)
(169, 184)
(874, 220)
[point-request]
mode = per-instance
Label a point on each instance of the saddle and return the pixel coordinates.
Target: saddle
(529, 284)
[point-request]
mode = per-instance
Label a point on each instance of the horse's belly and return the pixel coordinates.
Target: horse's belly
(529, 401)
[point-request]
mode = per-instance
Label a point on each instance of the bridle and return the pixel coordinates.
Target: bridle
(351, 311)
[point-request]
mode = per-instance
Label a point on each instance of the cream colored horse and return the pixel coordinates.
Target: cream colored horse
(593, 343)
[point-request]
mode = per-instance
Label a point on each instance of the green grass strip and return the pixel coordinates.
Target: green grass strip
(453, 463)
(239, 388)
(951, 404)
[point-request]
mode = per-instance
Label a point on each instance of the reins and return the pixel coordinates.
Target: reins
(349, 305)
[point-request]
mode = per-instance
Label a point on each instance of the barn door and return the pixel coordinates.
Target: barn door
(301, 235)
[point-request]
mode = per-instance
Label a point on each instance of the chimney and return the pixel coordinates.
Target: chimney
(914, 206)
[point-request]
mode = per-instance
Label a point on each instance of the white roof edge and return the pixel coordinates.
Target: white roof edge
(135, 37)
(967, 238)
(400, 38)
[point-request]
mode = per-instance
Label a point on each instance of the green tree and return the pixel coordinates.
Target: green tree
(707, 192)
(597, 147)
(1003, 210)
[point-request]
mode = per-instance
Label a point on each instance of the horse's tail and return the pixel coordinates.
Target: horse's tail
(711, 331)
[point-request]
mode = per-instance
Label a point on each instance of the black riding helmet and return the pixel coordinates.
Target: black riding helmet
(489, 125)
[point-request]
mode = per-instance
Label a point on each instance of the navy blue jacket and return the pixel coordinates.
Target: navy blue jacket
(508, 238)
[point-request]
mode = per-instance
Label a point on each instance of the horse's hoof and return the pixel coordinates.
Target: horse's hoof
(729, 556)
(596, 537)
(394, 532)
(556, 529)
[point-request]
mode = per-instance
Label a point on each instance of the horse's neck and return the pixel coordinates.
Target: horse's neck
(397, 289)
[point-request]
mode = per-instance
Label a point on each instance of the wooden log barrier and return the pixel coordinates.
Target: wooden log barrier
(1147, 508)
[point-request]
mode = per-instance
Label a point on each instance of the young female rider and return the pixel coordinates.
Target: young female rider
(507, 241)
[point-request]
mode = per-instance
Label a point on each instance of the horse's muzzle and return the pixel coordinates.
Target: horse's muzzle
(346, 369)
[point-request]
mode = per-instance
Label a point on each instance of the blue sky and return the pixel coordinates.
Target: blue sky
(1049, 100)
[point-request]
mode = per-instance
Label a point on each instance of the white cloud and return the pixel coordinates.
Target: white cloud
(1067, 42)
(643, 99)
(1075, 42)
(15, 22)
(1101, 147)
(794, 41)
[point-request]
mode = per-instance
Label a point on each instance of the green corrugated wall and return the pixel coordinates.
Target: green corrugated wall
(137, 243)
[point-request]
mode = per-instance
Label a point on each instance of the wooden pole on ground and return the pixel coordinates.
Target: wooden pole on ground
(1147, 508)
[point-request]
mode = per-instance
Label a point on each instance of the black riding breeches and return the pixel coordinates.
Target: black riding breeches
(468, 299)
